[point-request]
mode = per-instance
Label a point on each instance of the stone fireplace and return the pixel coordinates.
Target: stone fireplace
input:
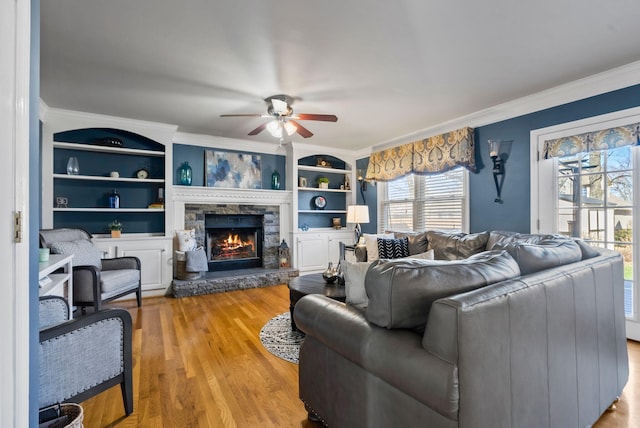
(241, 212)
(257, 223)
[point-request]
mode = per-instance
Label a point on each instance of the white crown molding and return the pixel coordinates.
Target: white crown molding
(43, 110)
(63, 120)
(215, 195)
(611, 80)
(228, 143)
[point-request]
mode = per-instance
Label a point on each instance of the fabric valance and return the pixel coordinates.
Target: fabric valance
(610, 138)
(431, 155)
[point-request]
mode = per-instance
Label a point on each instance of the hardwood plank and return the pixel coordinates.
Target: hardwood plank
(198, 362)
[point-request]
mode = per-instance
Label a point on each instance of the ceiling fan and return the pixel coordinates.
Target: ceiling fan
(284, 119)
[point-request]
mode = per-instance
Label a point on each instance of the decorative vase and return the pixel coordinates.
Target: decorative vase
(73, 167)
(330, 275)
(116, 233)
(323, 185)
(275, 180)
(114, 199)
(185, 174)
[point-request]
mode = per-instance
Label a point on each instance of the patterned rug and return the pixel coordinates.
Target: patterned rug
(276, 336)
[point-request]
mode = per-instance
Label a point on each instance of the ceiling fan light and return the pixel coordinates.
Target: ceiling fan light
(275, 129)
(290, 128)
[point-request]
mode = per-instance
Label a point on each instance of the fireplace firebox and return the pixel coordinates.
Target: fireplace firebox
(234, 241)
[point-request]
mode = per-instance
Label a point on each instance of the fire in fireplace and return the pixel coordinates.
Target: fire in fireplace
(234, 241)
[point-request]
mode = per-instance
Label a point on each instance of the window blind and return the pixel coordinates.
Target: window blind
(422, 202)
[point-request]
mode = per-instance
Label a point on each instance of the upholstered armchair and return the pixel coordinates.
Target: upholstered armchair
(85, 356)
(95, 280)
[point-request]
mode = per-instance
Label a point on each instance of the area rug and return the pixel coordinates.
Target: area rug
(276, 336)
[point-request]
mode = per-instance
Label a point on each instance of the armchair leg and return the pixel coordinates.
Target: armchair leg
(127, 396)
(139, 297)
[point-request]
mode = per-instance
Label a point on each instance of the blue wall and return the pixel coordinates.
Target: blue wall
(370, 198)
(34, 210)
(514, 213)
(195, 156)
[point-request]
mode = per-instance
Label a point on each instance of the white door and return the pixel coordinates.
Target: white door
(14, 192)
(592, 194)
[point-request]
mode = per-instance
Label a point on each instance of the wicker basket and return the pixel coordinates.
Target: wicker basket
(181, 268)
(74, 413)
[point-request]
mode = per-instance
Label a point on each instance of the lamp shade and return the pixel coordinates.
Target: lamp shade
(357, 214)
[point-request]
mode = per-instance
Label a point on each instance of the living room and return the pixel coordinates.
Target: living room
(586, 89)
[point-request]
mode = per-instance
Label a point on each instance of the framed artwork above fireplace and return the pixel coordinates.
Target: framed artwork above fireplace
(232, 170)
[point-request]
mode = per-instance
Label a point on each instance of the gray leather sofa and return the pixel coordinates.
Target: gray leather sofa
(529, 334)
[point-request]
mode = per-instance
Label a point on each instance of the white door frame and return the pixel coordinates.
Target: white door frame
(544, 189)
(15, 39)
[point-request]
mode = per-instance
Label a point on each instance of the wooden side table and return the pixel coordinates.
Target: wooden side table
(312, 284)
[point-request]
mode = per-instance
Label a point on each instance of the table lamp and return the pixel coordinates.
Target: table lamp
(357, 214)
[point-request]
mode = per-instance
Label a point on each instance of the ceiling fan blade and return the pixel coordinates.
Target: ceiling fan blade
(322, 117)
(258, 130)
(302, 130)
(241, 115)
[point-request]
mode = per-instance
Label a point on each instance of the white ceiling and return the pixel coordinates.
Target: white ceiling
(385, 68)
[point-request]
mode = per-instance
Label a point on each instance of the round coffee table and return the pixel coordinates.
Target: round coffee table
(312, 284)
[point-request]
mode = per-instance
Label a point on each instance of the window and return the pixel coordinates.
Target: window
(422, 202)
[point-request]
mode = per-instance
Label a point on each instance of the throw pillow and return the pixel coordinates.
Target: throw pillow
(456, 246)
(393, 248)
(186, 239)
(427, 255)
(371, 242)
(400, 292)
(84, 252)
(417, 241)
(354, 274)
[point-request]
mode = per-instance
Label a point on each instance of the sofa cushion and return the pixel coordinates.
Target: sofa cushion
(371, 242)
(456, 246)
(401, 291)
(355, 273)
(393, 248)
(417, 241)
(114, 280)
(504, 237)
(544, 254)
(84, 252)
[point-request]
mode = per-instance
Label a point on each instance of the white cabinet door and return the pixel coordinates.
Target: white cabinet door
(334, 244)
(311, 252)
(154, 255)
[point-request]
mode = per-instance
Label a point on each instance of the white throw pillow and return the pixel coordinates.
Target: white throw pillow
(427, 255)
(186, 239)
(84, 252)
(371, 242)
(354, 274)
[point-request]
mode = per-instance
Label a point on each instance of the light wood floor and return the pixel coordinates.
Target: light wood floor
(198, 362)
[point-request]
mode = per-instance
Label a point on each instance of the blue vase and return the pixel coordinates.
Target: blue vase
(185, 174)
(275, 180)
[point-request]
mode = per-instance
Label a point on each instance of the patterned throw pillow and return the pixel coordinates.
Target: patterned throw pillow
(186, 239)
(371, 242)
(84, 252)
(393, 248)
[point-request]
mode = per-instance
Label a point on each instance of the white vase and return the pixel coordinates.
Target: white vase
(323, 185)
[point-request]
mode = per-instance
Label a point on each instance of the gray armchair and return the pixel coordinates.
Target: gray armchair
(85, 356)
(95, 280)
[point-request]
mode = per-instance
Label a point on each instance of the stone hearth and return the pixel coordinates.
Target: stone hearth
(219, 282)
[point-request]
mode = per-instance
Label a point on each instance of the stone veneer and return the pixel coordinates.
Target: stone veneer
(194, 219)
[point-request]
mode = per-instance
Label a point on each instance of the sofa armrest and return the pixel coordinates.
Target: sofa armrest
(121, 263)
(394, 355)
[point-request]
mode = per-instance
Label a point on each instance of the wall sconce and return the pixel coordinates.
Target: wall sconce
(498, 166)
